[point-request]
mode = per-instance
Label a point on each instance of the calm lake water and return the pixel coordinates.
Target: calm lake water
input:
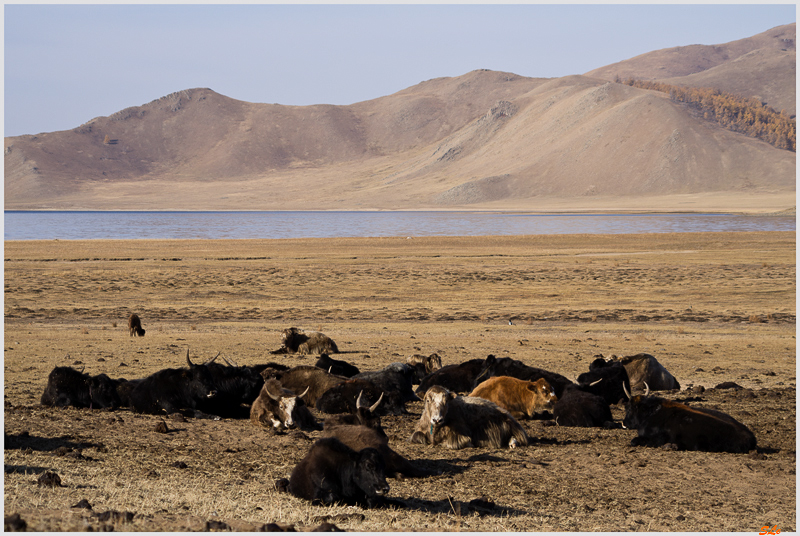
(67, 225)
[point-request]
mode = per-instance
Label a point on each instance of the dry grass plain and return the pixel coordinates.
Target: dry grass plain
(712, 307)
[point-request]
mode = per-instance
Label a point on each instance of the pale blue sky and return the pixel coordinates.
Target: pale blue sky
(66, 64)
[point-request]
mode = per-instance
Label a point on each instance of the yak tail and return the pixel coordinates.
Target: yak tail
(522, 437)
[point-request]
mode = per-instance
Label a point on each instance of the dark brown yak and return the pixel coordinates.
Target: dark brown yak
(135, 326)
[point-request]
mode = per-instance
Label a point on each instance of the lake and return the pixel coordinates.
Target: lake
(81, 225)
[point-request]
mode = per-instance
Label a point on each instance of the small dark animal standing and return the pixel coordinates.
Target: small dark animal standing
(659, 422)
(69, 387)
(457, 422)
(332, 472)
(135, 325)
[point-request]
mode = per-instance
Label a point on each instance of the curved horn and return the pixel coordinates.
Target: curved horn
(646, 389)
(230, 362)
(212, 359)
(304, 392)
(187, 357)
(376, 404)
(626, 391)
(269, 394)
(595, 383)
(360, 400)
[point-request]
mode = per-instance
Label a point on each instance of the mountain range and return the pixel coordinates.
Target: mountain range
(485, 140)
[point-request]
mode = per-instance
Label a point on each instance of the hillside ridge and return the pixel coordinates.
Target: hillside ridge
(484, 140)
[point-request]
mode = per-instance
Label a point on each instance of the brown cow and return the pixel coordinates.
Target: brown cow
(135, 325)
(296, 340)
(519, 397)
(458, 422)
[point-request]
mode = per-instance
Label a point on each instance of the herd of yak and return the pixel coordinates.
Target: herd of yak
(476, 403)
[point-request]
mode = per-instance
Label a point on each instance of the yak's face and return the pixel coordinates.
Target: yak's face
(288, 336)
(286, 409)
(370, 474)
(201, 382)
(433, 363)
(437, 400)
(544, 396)
(638, 409)
(103, 392)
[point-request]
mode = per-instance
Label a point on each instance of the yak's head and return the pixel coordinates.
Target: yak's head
(487, 370)
(103, 392)
(367, 415)
(289, 336)
(639, 408)
(199, 379)
(370, 473)
(544, 396)
(437, 401)
(285, 404)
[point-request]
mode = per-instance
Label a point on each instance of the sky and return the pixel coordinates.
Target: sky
(67, 64)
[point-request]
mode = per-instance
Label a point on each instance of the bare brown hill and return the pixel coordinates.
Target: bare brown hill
(484, 140)
(762, 66)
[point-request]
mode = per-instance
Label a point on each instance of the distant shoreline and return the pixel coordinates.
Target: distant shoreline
(786, 212)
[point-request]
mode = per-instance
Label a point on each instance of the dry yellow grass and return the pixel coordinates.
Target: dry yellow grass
(689, 299)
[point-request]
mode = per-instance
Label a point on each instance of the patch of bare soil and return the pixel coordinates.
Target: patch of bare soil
(712, 308)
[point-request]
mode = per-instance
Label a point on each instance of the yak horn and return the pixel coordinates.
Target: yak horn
(269, 394)
(187, 357)
(230, 362)
(646, 389)
(360, 400)
(595, 383)
(626, 391)
(376, 404)
(212, 359)
(304, 392)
